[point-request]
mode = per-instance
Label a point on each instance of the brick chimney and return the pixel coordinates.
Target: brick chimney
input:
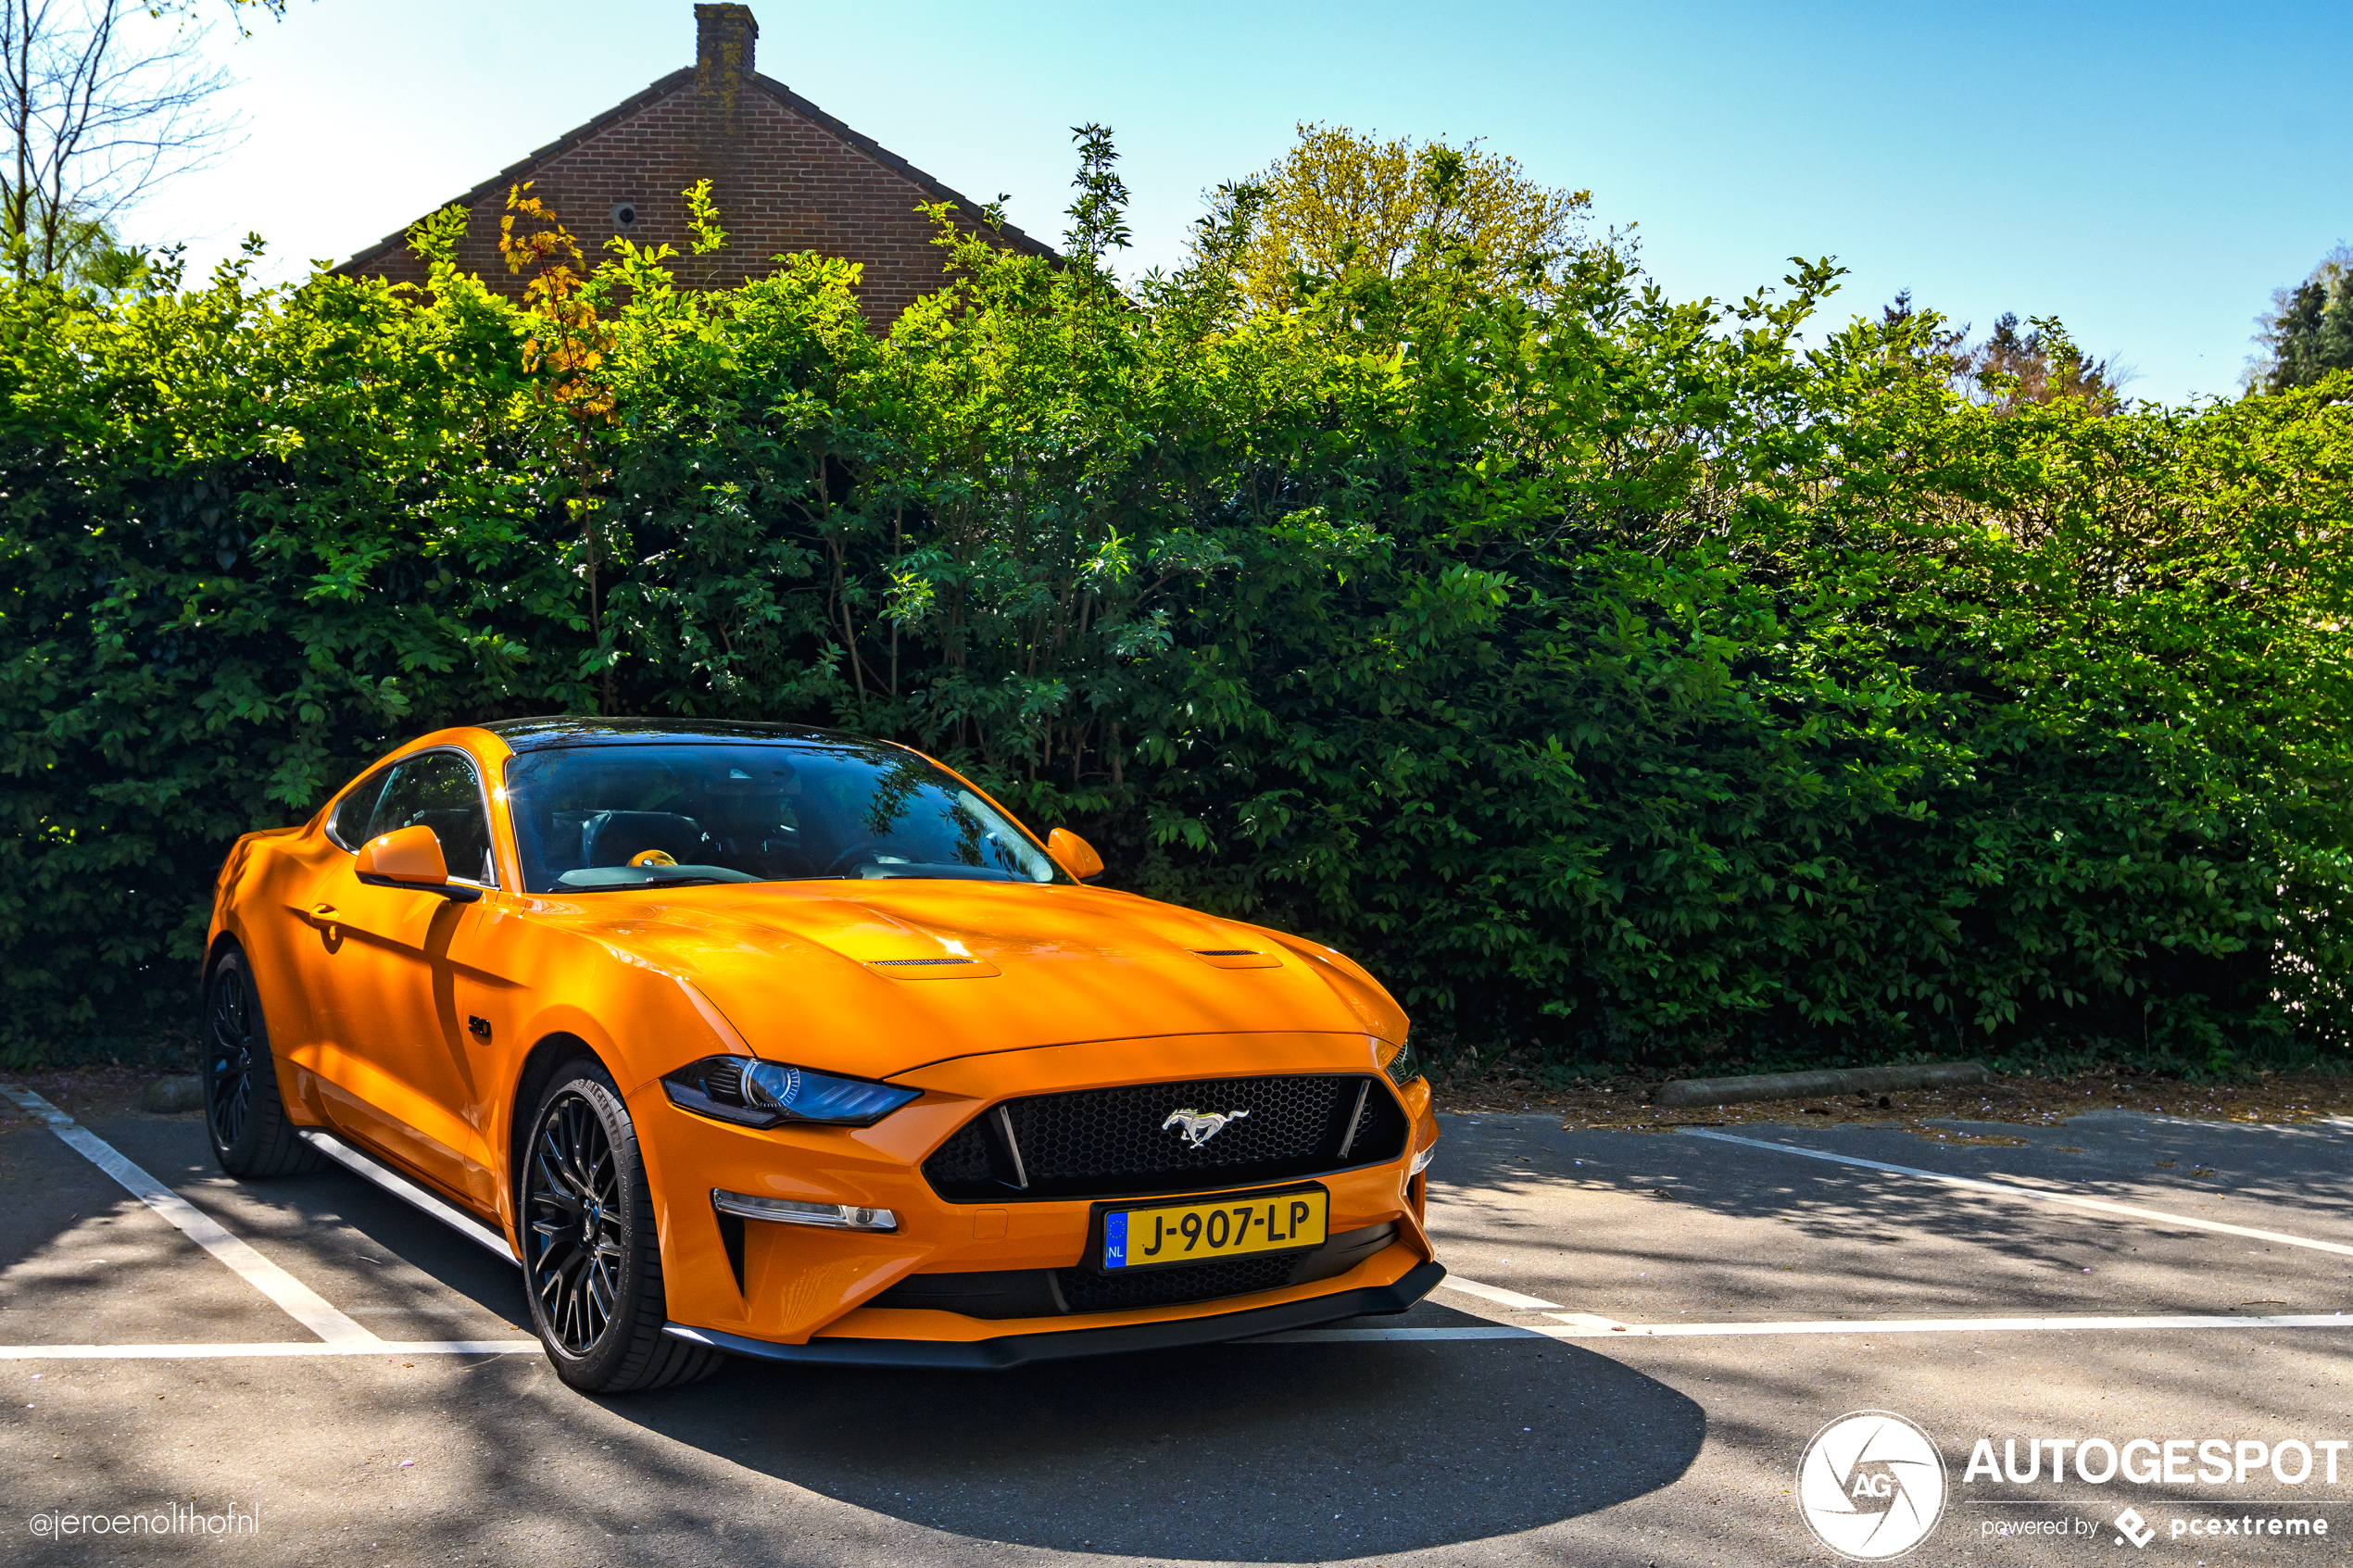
(723, 40)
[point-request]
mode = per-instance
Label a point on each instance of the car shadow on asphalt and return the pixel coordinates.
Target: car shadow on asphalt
(1284, 1452)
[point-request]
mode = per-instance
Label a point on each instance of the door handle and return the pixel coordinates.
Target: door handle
(323, 911)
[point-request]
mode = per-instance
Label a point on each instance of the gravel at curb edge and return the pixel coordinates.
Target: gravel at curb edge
(1685, 1092)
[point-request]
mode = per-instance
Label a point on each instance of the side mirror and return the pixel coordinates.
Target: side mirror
(410, 858)
(1074, 854)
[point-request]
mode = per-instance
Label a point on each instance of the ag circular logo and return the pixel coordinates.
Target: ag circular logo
(1872, 1485)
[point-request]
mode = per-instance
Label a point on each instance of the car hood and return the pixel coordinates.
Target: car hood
(878, 978)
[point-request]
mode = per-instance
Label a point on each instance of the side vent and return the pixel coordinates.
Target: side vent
(731, 1235)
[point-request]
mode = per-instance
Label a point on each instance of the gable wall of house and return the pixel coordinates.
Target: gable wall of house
(785, 178)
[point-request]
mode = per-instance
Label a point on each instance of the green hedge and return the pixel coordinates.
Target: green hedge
(1619, 680)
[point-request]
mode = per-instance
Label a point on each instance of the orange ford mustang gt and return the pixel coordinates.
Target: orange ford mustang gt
(768, 1041)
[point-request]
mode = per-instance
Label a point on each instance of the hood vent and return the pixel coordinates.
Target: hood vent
(934, 969)
(1236, 958)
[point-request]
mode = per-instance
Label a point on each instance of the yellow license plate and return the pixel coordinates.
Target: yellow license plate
(1194, 1233)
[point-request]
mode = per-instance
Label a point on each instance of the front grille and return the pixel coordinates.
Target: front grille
(1118, 1143)
(964, 1164)
(1088, 1291)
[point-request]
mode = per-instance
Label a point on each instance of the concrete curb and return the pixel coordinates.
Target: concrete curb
(1801, 1086)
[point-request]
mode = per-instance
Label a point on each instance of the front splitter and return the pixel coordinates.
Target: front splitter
(1018, 1349)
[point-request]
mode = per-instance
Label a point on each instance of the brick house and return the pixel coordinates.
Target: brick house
(787, 177)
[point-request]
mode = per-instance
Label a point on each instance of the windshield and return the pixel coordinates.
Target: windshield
(595, 817)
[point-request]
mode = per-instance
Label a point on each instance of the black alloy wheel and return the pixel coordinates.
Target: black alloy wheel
(592, 1262)
(229, 1054)
(577, 1229)
(243, 1114)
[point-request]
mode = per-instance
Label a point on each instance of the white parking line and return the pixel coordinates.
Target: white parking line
(388, 1348)
(1594, 1329)
(1946, 1326)
(2007, 1189)
(1353, 1335)
(1496, 1294)
(305, 1305)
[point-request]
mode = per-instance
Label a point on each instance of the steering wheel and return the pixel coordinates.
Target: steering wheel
(863, 852)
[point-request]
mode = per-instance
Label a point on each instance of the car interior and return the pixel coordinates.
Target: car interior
(624, 815)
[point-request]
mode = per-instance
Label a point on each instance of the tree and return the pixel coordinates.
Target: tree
(1340, 204)
(2013, 369)
(2009, 370)
(1099, 215)
(100, 100)
(82, 250)
(2309, 331)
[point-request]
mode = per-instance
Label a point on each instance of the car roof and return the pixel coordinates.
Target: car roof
(541, 735)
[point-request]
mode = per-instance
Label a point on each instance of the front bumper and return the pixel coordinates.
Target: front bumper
(790, 1286)
(1017, 1349)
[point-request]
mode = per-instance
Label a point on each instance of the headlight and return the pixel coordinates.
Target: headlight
(1402, 1068)
(764, 1094)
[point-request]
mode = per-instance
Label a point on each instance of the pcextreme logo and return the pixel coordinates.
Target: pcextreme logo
(2131, 1526)
(1872, 1485)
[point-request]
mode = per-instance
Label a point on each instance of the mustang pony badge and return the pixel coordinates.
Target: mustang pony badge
(1199, 1127)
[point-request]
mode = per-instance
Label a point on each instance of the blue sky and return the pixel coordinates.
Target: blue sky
(2146, 172)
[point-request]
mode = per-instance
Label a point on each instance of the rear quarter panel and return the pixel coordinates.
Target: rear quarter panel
(264, 877)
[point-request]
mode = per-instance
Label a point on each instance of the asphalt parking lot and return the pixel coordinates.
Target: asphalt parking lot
(1644, 1332)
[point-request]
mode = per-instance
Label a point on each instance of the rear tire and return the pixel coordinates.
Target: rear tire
(592, 1259)
(243, 1113)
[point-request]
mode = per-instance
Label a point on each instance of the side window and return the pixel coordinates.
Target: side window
(348, 826)
(439, 790)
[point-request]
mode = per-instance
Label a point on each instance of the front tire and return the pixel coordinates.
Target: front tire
(243, 1113)
(592, 1261)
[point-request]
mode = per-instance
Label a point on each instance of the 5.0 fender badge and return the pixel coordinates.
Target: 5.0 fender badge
(1198, 1126)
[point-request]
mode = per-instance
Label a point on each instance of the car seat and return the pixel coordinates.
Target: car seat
(611, 838)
